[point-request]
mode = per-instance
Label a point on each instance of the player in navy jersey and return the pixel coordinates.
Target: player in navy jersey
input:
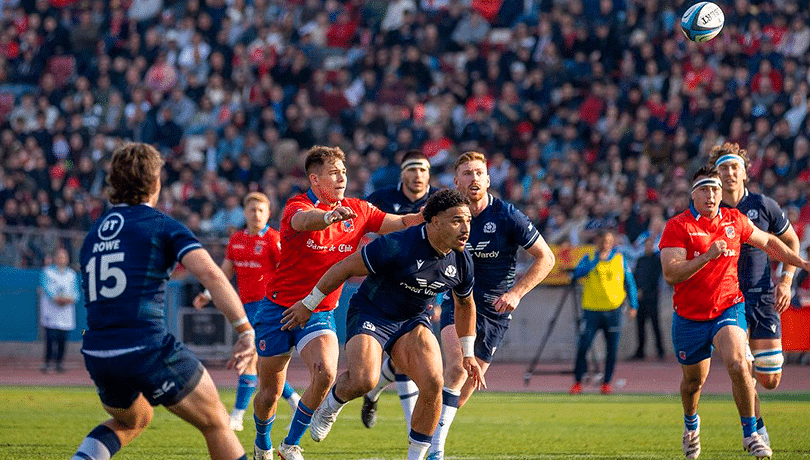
(405, 270)
(252, 256)
(764, 302)
(413, 190)
(497, 231)
(135, 363)
(409, 196)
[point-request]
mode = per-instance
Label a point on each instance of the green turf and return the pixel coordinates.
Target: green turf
(49, 423)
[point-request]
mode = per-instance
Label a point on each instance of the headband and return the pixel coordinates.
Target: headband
(730, 157)
(706, 181)
(416, 163)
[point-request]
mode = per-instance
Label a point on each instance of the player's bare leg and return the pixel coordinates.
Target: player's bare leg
(418, 354)
(732, 342)
(363, 357)
(203, 409)
(106, 439)
(272, 372)
(694, 376)
(457, 388)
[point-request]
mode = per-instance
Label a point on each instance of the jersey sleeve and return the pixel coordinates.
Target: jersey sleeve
(524, 232)
(778, 222)
(466, 274)
(274, 251)
(180, 239)
(380, 253)
(372, 216)
(293, 207)
(229, 249)
(673, 235)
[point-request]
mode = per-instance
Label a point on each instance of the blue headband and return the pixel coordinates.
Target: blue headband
(730, 157)
(706, 181)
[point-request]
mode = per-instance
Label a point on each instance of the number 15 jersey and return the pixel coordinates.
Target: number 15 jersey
(126, 259)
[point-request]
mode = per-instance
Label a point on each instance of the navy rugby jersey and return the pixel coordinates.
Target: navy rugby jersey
(754, 268)
(495, 235)
(406, 273)
(394, 201)
(126, 260)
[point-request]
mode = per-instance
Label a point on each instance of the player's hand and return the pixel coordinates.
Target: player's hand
(782, 297)
(295, 316)
(341, 213)
(717, 249)
(474, 372)
(200, 301)
(507, 302)
(243, 351)
(632, 313)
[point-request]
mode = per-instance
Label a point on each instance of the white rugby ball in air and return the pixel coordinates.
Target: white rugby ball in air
(702, 22)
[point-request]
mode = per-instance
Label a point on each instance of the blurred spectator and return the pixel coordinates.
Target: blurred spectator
(59, 292)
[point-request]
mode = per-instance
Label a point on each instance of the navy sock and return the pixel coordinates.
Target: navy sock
(419, 437)
(287, 391)
(690, 421)
(263, 428)
(300, 422)
(334, 395)
(749, 425)
(244, 390)
(449, 399)
(100, 444)
(760, 424)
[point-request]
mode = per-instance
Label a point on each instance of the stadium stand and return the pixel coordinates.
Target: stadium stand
(594, 112)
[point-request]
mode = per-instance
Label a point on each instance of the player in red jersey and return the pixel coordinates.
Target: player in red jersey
(318, 229)
(699, 252)
(252, 255)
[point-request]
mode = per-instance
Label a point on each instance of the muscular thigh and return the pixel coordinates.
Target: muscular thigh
(417, 353)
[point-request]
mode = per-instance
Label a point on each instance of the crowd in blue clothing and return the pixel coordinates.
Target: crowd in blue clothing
(594, 113)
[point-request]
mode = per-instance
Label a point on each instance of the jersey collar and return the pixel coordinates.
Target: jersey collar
(314, 199)
(697, 215)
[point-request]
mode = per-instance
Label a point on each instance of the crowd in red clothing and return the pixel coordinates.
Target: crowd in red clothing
(593, 113)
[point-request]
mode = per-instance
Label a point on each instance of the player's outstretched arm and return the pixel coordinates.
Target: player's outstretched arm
(201, 265)
(776, 249)
(393, 222)
(298, 314)
(465, 328)
(537, 272)
(202, 299)
(677, 269)
(317, 219)
(782, 291)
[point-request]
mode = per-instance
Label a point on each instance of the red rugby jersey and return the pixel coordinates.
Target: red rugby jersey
(254, 260)
(306, 256)
(715, 287)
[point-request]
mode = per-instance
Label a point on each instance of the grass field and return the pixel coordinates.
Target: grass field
(49, 423)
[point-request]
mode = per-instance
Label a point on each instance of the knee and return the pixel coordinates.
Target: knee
(769, 381)
(362, 380)
(323, 375)
(455, 374)
(431, 386)
(266, 395)
(691, 386)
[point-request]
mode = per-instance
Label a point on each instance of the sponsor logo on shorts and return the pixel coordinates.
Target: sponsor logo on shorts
(773, 328)
(165, 388)
(682, 355)
(262, 345)
(369, 326)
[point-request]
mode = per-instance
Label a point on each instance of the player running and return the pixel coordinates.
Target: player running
(764, 302)
(134, 362)
(252, 255)
(497, 230)
(389, 312)
(700, 249)
(409, 196)
(318, 229)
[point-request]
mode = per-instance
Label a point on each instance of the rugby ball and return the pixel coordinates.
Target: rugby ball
(702, 21)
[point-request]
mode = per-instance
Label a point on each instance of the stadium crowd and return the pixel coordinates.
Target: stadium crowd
(594, 113)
